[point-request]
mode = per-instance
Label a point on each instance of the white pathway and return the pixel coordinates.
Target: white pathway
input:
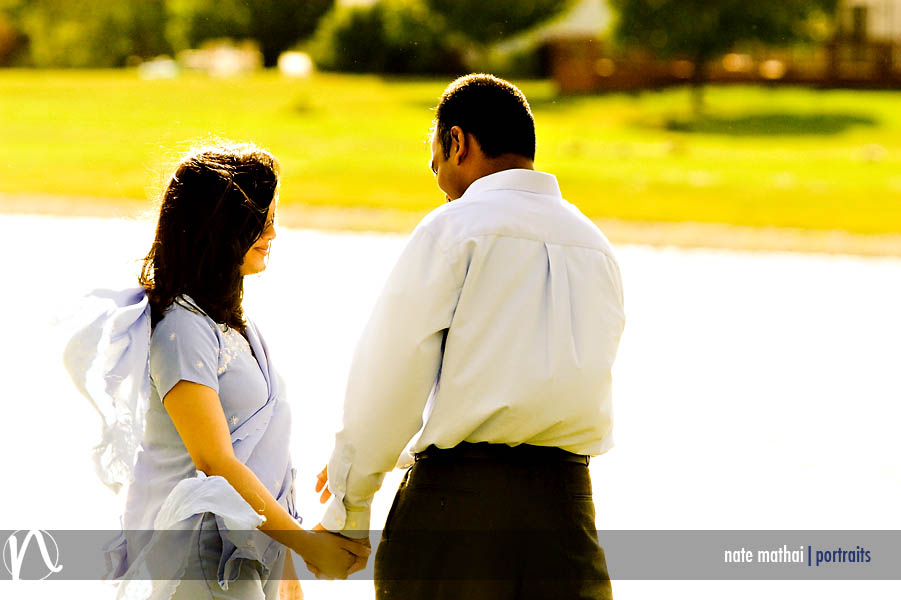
(752, 391)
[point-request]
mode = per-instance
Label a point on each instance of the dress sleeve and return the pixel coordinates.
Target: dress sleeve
(184, 347)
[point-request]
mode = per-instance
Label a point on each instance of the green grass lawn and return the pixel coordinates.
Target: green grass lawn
(783, 157)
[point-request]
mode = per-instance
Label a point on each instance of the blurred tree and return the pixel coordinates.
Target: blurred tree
(487, 22)
(279, 24)
(192, 22)
(701, 30)
(12, 38)
(92, 33)
(146, 27)
(390, 36)
(276, 25)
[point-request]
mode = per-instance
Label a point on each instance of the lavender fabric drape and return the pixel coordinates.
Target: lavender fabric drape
(126, 371)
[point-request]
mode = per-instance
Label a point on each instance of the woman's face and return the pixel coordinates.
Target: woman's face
(255, 259)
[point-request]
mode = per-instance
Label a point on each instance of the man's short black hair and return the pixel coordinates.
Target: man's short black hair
(491, 109)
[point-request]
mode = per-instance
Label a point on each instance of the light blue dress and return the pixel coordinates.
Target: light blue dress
(171, 506)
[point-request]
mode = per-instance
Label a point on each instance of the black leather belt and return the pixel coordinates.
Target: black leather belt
(523, 453)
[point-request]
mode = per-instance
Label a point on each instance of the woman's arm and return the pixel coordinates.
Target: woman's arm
(198, 417)
(289, 587)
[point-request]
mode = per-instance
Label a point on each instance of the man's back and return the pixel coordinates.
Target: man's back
(528, 354)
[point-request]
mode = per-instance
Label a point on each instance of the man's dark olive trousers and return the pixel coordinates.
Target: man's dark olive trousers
(492, 521)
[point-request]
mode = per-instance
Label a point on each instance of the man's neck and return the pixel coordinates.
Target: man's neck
(503, 162)
(483, 166)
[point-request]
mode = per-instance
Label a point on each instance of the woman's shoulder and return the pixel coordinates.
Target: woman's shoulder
(184, 318)
(185, 345)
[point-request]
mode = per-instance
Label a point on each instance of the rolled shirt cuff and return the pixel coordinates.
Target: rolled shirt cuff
(350, 522)
(406, 459)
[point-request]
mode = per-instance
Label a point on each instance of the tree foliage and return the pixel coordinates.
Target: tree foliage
(105, 33)
(485, 22)
(701, 29)
(279, 24)
(12, 39)
(192, 22)
(91, 33)
(390, 36)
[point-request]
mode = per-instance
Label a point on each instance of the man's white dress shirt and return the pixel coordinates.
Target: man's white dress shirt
(499, 323)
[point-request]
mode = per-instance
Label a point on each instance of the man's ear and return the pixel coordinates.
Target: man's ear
(459, 144)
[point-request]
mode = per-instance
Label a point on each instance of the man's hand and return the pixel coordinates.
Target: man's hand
(360, 561)
(322, 486)
(360, 558)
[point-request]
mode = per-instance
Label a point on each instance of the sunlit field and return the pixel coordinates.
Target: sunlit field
(782, 157)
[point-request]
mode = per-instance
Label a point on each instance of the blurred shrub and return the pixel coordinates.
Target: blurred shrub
(12, 38)
(92, 33)
(486, 22)
(390, 36)
(276, 25)
(279, 24)
(192, 22)
(526, 60)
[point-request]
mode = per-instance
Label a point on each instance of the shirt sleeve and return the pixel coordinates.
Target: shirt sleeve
(394, 368)
(184, 347)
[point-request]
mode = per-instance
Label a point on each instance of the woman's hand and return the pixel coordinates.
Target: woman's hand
(289, 589)
(289, 586)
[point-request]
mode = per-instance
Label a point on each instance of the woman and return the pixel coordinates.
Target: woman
(194, 419)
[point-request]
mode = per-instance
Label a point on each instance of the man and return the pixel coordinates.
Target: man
(493, 339)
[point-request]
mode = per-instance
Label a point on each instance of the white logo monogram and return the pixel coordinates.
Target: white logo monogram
(14, 555)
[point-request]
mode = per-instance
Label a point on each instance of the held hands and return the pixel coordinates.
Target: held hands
(360, 548)
(335, 556)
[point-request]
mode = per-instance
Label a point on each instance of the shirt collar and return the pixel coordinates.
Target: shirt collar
(524, 180)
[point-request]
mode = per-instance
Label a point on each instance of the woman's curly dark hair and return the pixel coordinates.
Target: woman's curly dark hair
(213, 210)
